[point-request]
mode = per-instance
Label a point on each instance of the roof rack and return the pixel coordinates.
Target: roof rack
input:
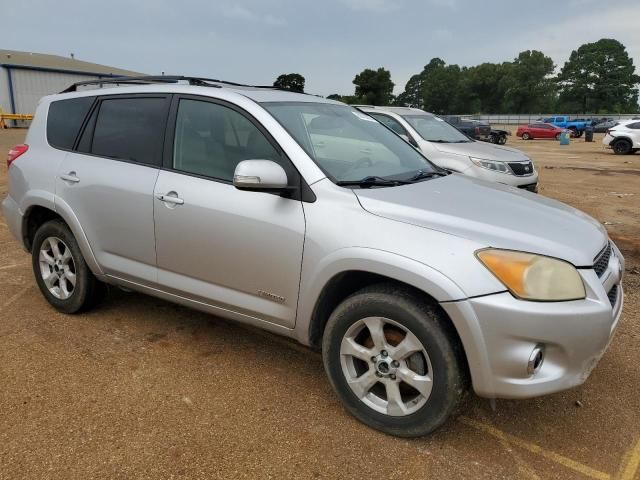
(148, 79)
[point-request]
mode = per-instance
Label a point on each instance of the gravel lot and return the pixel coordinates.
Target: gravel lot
(140, 388)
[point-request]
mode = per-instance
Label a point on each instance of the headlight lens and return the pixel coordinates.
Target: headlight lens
(491, 165)
(534, 277)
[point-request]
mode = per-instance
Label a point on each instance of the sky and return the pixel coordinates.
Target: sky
(327, 41)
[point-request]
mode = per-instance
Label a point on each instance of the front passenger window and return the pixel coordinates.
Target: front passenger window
(211, 139)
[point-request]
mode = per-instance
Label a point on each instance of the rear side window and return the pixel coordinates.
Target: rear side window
(130, 129)
(634, 126)
(65, 119)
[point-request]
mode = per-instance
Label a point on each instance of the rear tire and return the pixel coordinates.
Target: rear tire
(558, 135)
(60, 270)
(622, 147)
(526, 136)
(386, 323)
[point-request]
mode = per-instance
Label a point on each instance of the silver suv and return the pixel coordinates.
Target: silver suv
(449, 148)
(310, 219)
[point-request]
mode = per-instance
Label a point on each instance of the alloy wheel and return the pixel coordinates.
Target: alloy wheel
(386, 366)
(57, 268)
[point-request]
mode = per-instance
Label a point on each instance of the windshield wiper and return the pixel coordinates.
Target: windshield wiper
(372, 181)
(422, 175)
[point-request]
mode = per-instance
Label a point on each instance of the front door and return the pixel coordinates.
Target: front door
(240, 251)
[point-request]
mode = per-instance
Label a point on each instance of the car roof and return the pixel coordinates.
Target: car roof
(398, 110)
(257, 94)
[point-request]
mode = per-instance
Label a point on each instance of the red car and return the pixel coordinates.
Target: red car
(539, 130)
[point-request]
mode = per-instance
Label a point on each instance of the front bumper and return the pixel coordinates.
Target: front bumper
(520, 181)
(500, 332)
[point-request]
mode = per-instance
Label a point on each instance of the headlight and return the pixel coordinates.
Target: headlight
(491, 165)
(534, 277)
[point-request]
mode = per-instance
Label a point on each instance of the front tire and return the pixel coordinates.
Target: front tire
(394, 360)
(60, 270)
(502, 139)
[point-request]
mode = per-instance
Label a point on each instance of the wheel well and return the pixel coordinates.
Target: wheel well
(347, 283)
(34, 219)
(618, 139)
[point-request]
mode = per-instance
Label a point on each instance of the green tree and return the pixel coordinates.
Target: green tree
(599, 77)
(528, 83)
(439, 87)
(412, 95)
(374, 87)
(290, 81)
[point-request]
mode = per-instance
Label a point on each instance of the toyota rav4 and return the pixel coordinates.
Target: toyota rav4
(308, 218)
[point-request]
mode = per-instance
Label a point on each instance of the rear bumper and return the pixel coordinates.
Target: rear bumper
(13, 217)
(500, 333)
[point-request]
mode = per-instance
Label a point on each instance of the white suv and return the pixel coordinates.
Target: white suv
(624, 138)
(449, 148)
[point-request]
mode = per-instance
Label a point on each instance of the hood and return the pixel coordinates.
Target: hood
(491, 214)
(484, 150)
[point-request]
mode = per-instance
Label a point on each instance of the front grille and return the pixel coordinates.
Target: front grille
(521, 168)
(601, 262)
(613, 295)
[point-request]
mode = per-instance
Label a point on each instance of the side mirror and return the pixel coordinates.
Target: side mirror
(260, 175)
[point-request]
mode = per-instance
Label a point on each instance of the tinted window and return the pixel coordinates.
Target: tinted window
(65, 119)
(634, 126)
(130, 129)
(392, 123)
(211, 139)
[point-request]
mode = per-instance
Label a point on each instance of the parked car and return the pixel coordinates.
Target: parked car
(623, 138)
(576, 127)
(498, 136)
(539, 130)
(449, 148)
(472, 128)
(602, 127)
(310, 219)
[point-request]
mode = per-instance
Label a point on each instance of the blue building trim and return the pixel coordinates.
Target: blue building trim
(57, 70)
(12, 98)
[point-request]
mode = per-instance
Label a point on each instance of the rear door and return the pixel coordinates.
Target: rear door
(108, 180)
(239, 251)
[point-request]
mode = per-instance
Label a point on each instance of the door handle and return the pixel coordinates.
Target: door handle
(70, 177)
(170, 198)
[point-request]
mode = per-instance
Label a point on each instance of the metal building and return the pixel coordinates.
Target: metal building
(26, 77)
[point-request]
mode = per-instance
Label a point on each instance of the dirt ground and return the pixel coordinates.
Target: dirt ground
(140, 388)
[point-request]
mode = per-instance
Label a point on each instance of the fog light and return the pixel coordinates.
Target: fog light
(535, 360)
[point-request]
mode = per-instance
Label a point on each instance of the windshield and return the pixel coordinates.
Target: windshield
(434, 129)
(347, 144)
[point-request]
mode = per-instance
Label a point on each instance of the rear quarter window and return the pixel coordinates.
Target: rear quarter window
(65, 119)
(130, 129)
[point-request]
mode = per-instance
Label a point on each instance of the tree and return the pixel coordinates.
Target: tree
(412, 95)
(528, 85)
(374, 87)
(290, 81)
(599, 77)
